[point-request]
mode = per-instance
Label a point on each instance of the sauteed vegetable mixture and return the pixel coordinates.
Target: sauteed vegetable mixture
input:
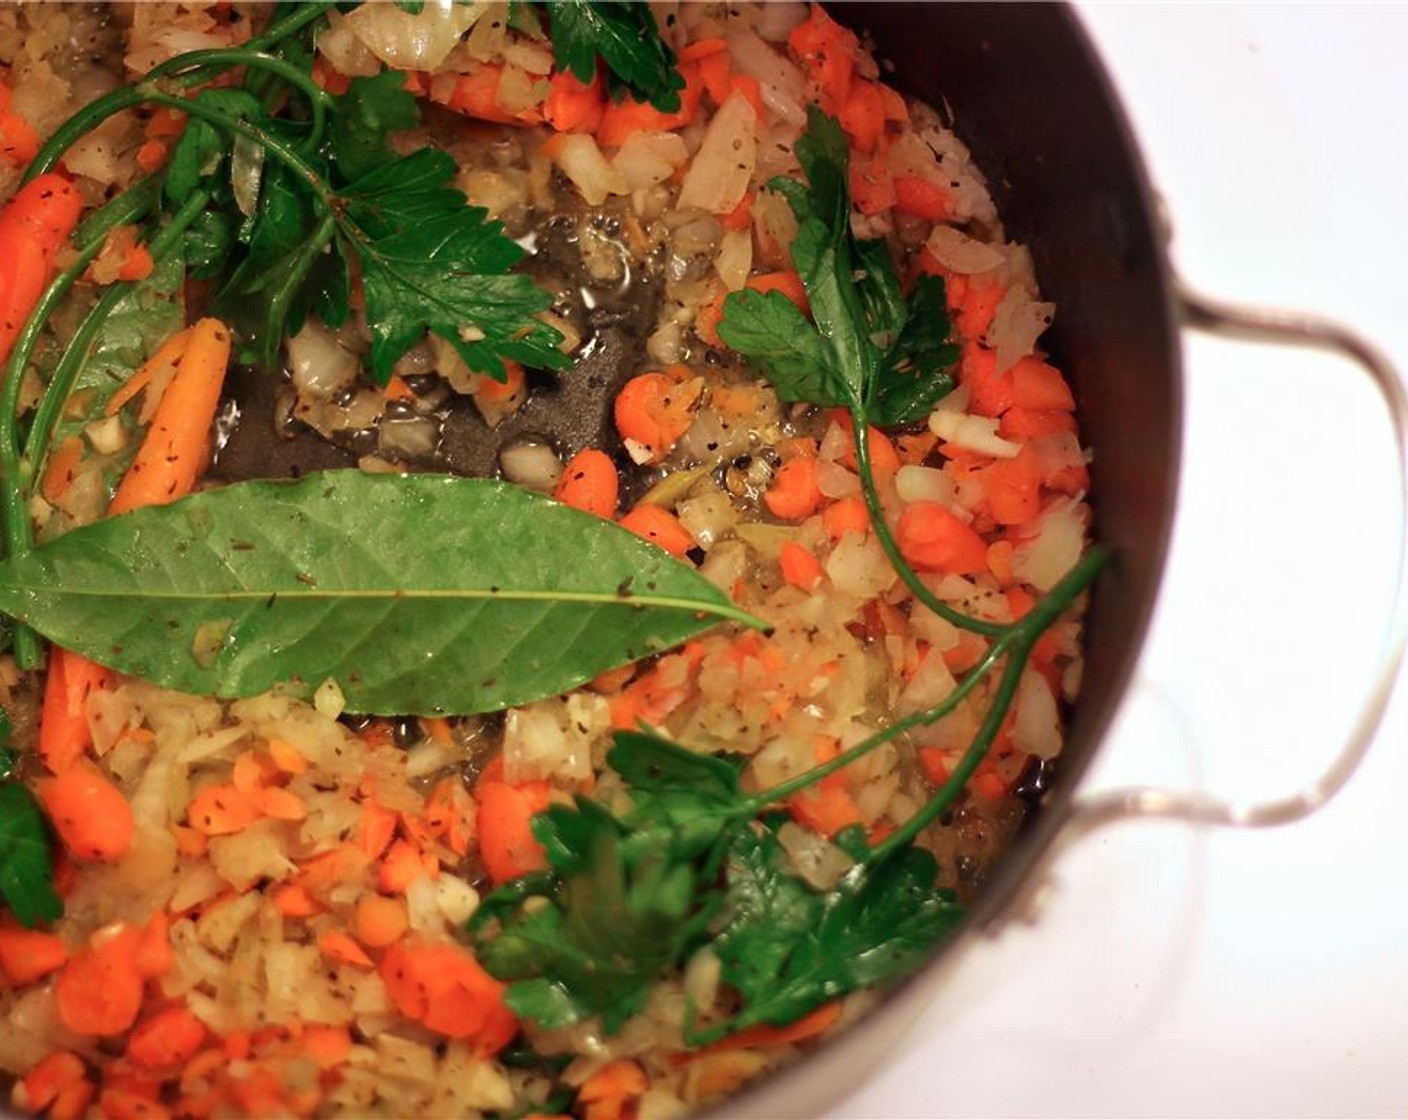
(337, 781)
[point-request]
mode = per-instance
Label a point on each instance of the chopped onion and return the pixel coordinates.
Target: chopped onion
(777, 17)
(320, 365)
(957, 251)
(1016, 325)
(347, 53)
(923, 484)
(735, 258)
(648, 158)
(780, 82)
(1037, 726)
(531, 463)
(413, 42)
(582, 162)
(718, 178)
(1054, 552)
(976, 433)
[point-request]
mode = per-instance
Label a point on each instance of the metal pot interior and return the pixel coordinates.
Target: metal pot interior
(1021, 85)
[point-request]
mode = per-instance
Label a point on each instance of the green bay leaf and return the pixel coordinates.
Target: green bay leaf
(417, 594)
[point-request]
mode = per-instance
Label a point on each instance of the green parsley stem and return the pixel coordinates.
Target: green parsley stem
(892, 549)
(294, 272)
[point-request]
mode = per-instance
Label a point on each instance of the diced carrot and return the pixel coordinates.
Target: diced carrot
(27, 955)
(126, 1104)
(706, 319)
(168, 1039)
(653, 410)
(751, 91)
(35, 222)
(1014, 488)
(219, 810)
(794, 493)
(402, 865)
(931, 761)
(375, 829)
(702, 48)
(287, 757)
(292, 900)
(338, 946)
(572, 105)
(1000, 562)
(1036, 385)
(63, 466)
(741, 216)
(715, 73)
(19, 143)
(966, 652)
(872, 188)
(138, 265)
(64, 734)
(933, 539)
(991, 391)
(91, 815)
(152, 955)
(800, 567)
(59, 1084)
(808, 1026)
(659, 526)
(896, 108)
(505, 827)
(862, 117)
(884, 459)
(827, 51)
(476, 94)
(378, 920)
(590, 483)
(980, 297)
(328, 1046)
(920, 198)
(611, 681)
(990, 786)
(620, 1077)
(151, 155)
(824, 809)
(280, 804)
(329, 77)
(846, 515)
(1030, 423)
(247, 775)
(624, 116)
(259, 1092)
(914, 447)
(397, 389)
(1019, 601)
(165, 124)
(99, 991)
(789, 283)
(162, 360)
(444, 988)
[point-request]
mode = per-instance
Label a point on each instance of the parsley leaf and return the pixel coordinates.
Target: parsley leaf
(26, 868)
(787, 950)
(363, 117)
(431, 262)
(871, 349)
(624, 34)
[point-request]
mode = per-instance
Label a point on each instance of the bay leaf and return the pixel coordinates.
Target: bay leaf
(417, 594)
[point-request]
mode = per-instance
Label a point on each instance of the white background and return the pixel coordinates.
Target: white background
(1178, 971)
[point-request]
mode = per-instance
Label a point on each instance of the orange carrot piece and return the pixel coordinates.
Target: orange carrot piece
(590, 483)
(99, 991)
(1037, 385)
(862, 117)
(33, 225)
(702, 48)
(151, 155)
(376, 829)
(402, 865)
(1014, 488)
(287, 757)
(920, 198)
(397, 389)
(975, 310)
(659, 526)
(808, 1026)
(19, 143)
(219, 810)
(444, 988)
(292, 900)
(1030, 423)
(794, 494)
(991, 391)
(476, 94)
(620, 1077)
(574, 106)
(328, 1046)
(63, 466)
(279, 803)
(789, 283)
(827, 51)
(27, 955)
(64, 734)
(176, 446)
(652, 412)
(741, 216)
(715, 73)
(505, 830)
(846, 515)
(91, 815)
(152, 955)
(58, 1083)
(800, 567)
(872, 188)
(339, 947)
(934, 540)
(824, 809)
(167, 1040)
(379, 921)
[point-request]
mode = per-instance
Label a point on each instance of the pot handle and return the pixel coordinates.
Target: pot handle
(1286, 328)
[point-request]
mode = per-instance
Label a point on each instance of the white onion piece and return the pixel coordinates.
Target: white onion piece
(1016, 325)
(648, 158)
(780, 82)
(923, 484)
(320, 365)
(858, 567)
(413, 42)
(531, 464)
(957, 251)
(582, 162)
(1054, 552)
(347, 53)
(707, 517)
(719, 176)
(835, 481)
(1037, 726)
(735, 258)
(778, 17)
(976, 433)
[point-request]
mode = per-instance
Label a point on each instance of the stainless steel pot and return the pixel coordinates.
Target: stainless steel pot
(1023, 87)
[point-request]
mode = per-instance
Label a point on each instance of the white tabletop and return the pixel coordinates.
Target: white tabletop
(1179, 971)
